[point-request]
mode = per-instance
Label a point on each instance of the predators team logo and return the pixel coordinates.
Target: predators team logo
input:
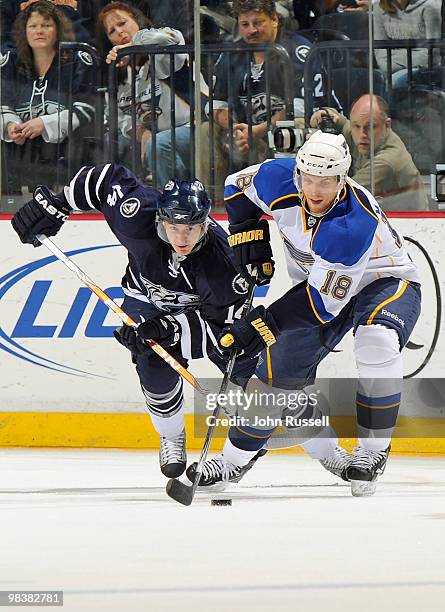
(301, 53)
(130, 207)
(171, 301)
(4, 59)
(240, 285)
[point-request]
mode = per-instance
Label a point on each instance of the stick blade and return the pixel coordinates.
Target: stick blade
(179, 491)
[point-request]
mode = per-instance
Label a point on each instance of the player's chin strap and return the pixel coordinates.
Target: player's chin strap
(157, 348)
(176, 489)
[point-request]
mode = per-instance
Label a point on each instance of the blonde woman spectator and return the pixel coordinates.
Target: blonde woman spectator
(125, 26)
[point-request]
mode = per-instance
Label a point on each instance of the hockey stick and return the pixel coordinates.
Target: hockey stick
(127, 320)
(176, 489)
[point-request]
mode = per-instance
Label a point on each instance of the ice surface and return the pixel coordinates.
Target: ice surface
(98, 525)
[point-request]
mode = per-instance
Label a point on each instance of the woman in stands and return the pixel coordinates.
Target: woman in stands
(121, 25)
(34, 113)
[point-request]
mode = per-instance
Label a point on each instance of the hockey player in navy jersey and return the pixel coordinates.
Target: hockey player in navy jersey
(350, 270)
(180, 283)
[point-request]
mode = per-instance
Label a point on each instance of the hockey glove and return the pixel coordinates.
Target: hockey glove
(165, 330)
(251, 334)
(128, 337)
(250, 241)
(44, 214)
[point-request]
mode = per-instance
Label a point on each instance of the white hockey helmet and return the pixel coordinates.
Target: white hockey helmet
(323, 154)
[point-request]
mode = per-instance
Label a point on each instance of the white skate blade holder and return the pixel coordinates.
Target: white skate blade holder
(363, 488)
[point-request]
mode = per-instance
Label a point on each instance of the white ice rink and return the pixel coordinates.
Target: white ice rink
(98, 525)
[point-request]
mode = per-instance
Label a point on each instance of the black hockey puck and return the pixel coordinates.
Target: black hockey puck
(221, 502)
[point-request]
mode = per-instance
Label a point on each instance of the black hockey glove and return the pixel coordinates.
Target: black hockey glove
(251, 334)
(44, 214)
(250, 241)
(128, 337)
(165, 330)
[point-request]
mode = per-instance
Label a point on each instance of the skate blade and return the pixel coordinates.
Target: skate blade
(218, 486)
(363, 488)
(215, 488)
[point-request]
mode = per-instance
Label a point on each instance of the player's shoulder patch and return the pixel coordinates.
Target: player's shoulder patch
(130, 207)
(4, 58)
(274, 181)
(301, 52)
(85, 58)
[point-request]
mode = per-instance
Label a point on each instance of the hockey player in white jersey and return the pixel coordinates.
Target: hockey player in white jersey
(350, 270)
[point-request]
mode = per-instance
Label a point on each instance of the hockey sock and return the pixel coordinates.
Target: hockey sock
(237, 456)
(380, 367)
(166, 411)
(169, 427)
(323, 445)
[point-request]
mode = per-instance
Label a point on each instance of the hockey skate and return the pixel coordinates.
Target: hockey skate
(338, 462)
(172, 456)
(218, 471)
(364, 470)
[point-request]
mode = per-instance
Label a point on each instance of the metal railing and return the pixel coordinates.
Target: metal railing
(334, 55)
(97, 93)
(210, 54)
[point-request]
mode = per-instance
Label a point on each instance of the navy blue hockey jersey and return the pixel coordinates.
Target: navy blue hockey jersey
(24, 98)
(231, 87)
(203, 290)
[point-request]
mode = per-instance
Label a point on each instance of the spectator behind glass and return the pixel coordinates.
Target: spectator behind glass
(80, 12)
(398, 183)
(33, 119)
(258, 23)
(405, 19)
(124, 26)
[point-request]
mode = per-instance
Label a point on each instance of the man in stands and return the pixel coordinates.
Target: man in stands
(258, 24)
(397, 181)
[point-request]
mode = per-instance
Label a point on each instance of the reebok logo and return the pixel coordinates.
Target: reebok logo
(264, 331)
(391, 315)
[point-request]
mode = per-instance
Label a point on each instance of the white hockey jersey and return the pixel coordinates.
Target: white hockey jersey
(338, 254)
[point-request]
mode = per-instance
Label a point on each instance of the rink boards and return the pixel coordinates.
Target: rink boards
(66, 382)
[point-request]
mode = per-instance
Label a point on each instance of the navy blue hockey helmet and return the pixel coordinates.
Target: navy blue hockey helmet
(184, 202)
